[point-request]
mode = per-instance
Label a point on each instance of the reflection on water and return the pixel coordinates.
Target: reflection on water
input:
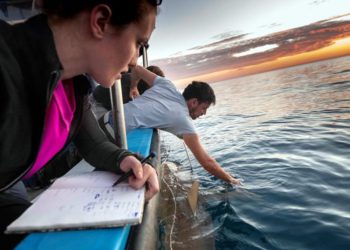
(286, 133)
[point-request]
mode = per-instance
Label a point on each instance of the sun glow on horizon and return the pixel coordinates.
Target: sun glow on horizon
(339, 48)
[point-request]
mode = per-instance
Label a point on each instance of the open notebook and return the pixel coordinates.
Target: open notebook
(82, 201)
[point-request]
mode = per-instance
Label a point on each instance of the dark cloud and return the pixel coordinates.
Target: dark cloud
(228, 34)
(271, 25)
(317, 2)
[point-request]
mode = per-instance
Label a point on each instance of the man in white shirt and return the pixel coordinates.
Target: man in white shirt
(162, 106)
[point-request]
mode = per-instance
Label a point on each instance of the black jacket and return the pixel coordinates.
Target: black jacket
(29, 71)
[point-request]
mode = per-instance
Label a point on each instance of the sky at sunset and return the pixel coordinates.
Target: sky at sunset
(216, 40)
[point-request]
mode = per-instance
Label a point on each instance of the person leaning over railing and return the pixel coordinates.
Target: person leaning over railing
(162, 106)
(44, 91)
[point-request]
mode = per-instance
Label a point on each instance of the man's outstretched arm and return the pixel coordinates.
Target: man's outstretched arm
(208, 163)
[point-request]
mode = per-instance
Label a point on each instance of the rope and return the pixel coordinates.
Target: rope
(188, 157)
(174, 215)
(173, 198)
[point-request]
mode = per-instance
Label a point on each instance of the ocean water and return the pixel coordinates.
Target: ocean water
(286, 134)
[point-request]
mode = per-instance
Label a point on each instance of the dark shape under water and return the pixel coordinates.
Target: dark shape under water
(207, 229)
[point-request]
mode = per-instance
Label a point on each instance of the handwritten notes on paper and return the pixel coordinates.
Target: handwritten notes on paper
(83, 201)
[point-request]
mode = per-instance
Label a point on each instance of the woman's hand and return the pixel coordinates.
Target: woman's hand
(145, 174)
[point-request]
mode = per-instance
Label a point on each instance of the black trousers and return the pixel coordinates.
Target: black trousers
(13, 203)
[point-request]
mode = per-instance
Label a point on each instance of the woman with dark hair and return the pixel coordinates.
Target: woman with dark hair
(44, 91)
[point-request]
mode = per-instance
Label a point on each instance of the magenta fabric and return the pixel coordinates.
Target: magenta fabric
(59, 115)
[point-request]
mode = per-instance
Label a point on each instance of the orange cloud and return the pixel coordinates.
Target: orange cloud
(218, 61)
(340, 47)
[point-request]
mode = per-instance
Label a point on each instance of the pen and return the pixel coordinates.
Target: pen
(129, 173)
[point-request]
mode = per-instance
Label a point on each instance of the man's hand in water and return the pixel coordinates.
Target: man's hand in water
(234, 181)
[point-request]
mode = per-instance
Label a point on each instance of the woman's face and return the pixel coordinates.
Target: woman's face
(119, 49)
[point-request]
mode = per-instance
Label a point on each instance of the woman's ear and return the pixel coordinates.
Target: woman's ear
(100, 17)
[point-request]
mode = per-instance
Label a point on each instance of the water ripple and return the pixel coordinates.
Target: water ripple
(287, 135)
